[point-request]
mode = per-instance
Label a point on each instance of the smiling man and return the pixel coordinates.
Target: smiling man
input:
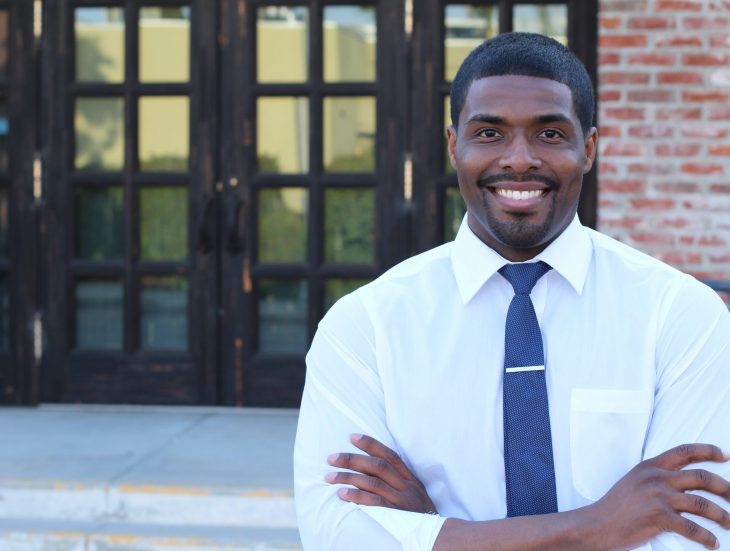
(532, 385)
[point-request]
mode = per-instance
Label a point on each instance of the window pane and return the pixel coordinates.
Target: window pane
(3, 45)
(335, 289)
(349, 221)
(4, 131)
(99, 315)
(283, 316)
(281, 44)
(164, 133)
(99, 36)
(467, 26)
(282, 135)
(350, 43)
(454, 210)
(4, 314)
(99, 134)
(283, 225)
(349, 134)
(3, 223)
(98, 223)
(164, 313)
(164, 223)
(550, 20)
(164, 44)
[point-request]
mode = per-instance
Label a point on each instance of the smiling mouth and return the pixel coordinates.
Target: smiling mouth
(518, 195)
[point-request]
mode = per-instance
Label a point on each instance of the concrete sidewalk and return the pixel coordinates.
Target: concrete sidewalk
(143, 478)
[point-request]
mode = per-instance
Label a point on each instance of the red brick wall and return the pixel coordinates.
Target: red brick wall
(664, 122)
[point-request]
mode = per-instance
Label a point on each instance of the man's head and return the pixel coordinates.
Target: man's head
(530, 55)
(521, 141)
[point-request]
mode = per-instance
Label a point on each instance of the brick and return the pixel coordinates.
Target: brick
(652, 59)
(652, 238)
(701, 169)
(704, 132)
(624, 150)
(653, 96)
(646, 203)
(608, 58)
(606, 185)
(722, 258)
(678, 5)
(660, 169)
(712, 241)
(720, 188)
(706, 274)
(681, 258)
(609, 23)
(625, 113)
(628, 222)
(651, 23)
(607, 168)
(621, 77)
(678, 223)
(679, 41)
(720, 40)
(651, 131)
(706, 24)
(705, 59)
(706, 95)
(604, 204)
(622, 41)
(623, 5)
(722, 150)
(678, 114)
(719, 114)
(676, 187)
(677, 149)
(609, 95)
(610, 132)
(688, 240)
(680, 77)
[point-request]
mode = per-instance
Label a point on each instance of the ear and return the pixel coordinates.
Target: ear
(451, 144)
(591, 144)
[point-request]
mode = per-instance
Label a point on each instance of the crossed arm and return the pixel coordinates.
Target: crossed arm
(646, 502)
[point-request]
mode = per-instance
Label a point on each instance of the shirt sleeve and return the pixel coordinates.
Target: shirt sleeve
(342, 396)
(692, 400)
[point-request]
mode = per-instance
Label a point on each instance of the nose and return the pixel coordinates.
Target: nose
(519, 156)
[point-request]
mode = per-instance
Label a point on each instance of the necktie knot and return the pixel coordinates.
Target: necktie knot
(524, 276)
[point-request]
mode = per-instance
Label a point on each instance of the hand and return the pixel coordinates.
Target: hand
(380, 478)
(649, 499)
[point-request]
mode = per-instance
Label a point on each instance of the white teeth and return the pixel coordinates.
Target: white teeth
(519, 195)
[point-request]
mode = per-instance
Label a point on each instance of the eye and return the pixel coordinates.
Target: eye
(489, 133)
(551, 134)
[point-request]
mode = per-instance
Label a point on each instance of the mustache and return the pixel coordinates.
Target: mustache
(507, 177)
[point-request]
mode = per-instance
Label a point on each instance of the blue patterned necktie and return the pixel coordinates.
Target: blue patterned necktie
(528, 450)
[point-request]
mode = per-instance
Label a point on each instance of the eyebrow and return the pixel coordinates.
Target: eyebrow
(540, 119)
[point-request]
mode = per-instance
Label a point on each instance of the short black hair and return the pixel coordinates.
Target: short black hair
(526, 54)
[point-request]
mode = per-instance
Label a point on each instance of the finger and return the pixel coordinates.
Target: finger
(363, 482)
(365, 464)
(375, 448)
(361, 498)
(701, 479)
(683, 455)
(693, 531)
(703, 507)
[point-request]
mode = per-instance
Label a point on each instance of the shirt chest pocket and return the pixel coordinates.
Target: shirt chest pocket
(607, 432)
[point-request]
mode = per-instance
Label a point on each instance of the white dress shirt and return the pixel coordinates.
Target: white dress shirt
(637, 361)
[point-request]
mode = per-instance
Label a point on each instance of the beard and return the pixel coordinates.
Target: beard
(518, 233)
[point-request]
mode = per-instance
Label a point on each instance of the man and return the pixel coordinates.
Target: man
(576, 398)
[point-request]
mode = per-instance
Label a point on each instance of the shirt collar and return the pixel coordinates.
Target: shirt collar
(474, 262)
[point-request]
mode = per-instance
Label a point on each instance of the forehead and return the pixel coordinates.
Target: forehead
(517, 96)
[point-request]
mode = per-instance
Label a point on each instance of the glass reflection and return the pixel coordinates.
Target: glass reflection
(99, 315)
(349, 134)
(3, 45)
(282, 229)
(164, 307)
(282, 310)
(467, 26)
(98, 223)
(281, 44)
(454, 210)
(164, 133)
(335, 289)
(350, 43)
(282, 135)
(4, 135)
(3, 223)
(163, 223)
(99, 134)
(349, 225)
(99, 44)
(550, 20)
(4, 314)
(164, 44)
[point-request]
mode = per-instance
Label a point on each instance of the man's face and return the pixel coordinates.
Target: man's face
(520, 156)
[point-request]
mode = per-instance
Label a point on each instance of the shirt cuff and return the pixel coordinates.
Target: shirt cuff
(415, 531)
